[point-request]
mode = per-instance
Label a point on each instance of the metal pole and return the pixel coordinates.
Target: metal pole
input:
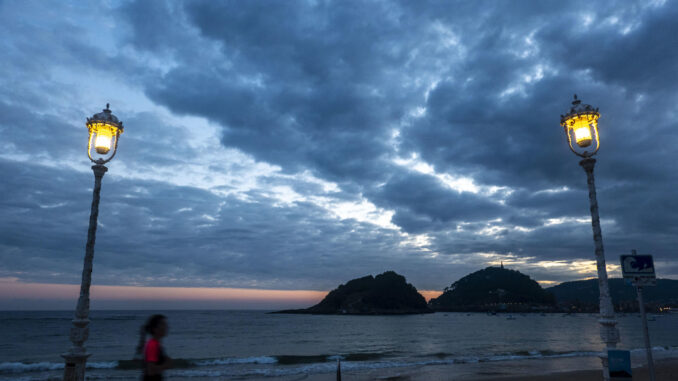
(608, 330)
(646, 334)
(76, 357)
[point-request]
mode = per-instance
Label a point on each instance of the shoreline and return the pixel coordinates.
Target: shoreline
(666, 369)
(553, 369)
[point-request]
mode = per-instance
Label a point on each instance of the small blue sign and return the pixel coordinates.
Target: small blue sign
(637, 266)
(619, 362)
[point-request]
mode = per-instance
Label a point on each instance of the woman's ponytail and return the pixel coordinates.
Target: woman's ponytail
(147, 328)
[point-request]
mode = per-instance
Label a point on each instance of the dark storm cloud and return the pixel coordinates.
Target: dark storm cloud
(298, 84)
(344, 93)
(639, 59)
(422, 203)
(154, 234)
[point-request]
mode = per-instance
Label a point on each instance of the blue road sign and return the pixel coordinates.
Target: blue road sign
(637, 266)
(619, 362)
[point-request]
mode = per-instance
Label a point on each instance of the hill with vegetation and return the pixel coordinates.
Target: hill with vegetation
(384, 294)
(494, 289)
(582, 295)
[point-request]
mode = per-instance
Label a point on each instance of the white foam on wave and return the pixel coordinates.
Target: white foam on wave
(330, 366)
(237, 366)
(26, 379)
(237, 361)
(20, 367)
(657, 349)
(102, 365)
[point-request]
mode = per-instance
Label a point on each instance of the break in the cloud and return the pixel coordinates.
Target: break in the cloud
(294, 145)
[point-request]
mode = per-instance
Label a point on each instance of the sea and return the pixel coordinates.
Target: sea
(256, 345)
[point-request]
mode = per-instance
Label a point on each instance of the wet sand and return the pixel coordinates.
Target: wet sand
(666, 370)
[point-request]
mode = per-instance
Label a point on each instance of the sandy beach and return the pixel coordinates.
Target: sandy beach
(666, 370)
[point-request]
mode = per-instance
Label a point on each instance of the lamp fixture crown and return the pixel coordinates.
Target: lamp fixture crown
(106, 116)
(579, 108)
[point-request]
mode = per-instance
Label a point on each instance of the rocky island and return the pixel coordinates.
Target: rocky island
(384, 294)
(494, 289)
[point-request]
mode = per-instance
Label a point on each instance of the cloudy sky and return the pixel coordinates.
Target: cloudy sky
(293, 145)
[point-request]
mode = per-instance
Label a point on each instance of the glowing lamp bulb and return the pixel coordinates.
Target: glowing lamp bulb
(102, 143)
(583, 136)
(582, 131)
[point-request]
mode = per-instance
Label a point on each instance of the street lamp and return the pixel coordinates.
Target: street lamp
(581, 128)
(104, 132)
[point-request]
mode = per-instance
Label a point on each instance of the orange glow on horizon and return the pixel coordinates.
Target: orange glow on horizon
(11, 288)
(430, 294)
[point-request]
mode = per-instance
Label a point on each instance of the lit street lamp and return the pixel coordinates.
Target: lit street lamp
(581, 128)
(104, 131)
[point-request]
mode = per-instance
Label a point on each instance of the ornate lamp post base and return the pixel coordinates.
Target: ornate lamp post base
(75, 366)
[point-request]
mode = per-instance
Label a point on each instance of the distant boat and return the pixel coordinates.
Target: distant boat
(510, 317)
(542, 314)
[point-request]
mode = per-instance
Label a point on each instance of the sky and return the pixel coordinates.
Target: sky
(276, 149)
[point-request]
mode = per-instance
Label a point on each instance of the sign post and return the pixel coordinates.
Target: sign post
(640, 270)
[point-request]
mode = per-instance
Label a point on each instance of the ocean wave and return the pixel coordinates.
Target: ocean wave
(311, 359)
(236, 361)
(117, 317)
(288, 359)
(23, 367)
(33, 378)
(46, 318)
(329, 365)
(656, 349)
(280, 371)
(518, 355)
(285, 365)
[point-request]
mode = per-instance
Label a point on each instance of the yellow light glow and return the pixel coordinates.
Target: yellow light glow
(102, 143)
(103, 137)
(583, 136)
(582, 126)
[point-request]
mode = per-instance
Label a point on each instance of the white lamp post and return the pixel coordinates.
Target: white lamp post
(581, 128)
(104, 132)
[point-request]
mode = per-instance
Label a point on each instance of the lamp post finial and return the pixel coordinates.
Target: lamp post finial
(576, 100)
